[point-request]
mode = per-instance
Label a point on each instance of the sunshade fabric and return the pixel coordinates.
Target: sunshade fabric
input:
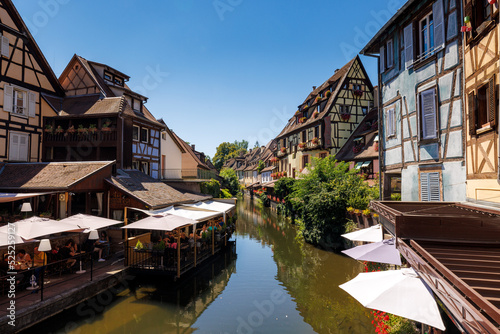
(160, 223)
(4, 239)
(91, 222)
(213, 206)
(366, 164)
(383, 252)
(11, 197)
(358, 165)
(399, 292)
(370, 234)
(36, 227)
(195, 214)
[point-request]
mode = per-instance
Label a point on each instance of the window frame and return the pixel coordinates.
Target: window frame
(423, 131)
(421, 53)
(390, 122)
(427, 174)
(134, 128)
(147, 135)
(389, 54)
(19, 134)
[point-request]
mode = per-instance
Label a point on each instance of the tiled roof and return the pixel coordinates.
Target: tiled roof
(368, 151)
(336, 81)
(190, 151)
(148, 190)
(196, 197)
(54, 175)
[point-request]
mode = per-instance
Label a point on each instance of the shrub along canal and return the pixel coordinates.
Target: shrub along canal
(275, 284)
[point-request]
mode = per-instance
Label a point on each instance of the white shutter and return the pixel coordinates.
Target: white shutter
(391, 131)
(5, 48)
(434, 188)
(428, 107)
(32, 104)
(408, 36)
(8, 98)
(382, 59)
(14, 147)
(424, 187)
(438, 16)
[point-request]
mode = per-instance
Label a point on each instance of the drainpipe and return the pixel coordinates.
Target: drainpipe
(380, 112)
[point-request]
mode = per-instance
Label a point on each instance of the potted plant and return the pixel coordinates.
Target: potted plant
(81, 129)
(92, 128)
(328, 94)
(283, 150)
(318, 98)
(297, 113)
(315, 140)
(366, 212)
(49, 128)
(284, 173)
(345, 117)
(59, 129)
(106, 126)
(302, 120)
(302, 146)
(358, 92)
(71, 129)
(315, 114)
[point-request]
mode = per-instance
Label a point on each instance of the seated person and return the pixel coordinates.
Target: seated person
(23, 258)
(40, 258)
(67, 252)
(100, 244)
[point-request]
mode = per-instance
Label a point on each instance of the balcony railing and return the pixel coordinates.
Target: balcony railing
(96, 137)
(177, 174)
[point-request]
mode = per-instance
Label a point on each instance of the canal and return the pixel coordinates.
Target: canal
(275, 283)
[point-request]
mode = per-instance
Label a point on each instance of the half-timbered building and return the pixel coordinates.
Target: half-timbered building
(25, 79)
(102, 119)
(422, 142)
(326, 119)
(481, 75)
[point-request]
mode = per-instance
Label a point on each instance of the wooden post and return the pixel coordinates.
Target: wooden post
(195, 242)
(213, 239)
(178, 253)
(126, 237)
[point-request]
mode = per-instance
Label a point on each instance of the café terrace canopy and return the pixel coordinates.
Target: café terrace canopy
(11, 197)
(161, 223)
(455, 248)
(213, 206)
(195, 214)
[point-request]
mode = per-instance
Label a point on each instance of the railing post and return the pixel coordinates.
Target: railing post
(91, 267)
(42, 278)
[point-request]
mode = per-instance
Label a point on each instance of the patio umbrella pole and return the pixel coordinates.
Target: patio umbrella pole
(178, 253)
(195, 242)
(213, 239)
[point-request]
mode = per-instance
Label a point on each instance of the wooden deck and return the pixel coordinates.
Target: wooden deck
(60, 293)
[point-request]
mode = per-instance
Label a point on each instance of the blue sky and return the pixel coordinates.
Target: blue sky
(214, 70)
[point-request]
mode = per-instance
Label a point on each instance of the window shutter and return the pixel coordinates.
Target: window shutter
(438, 15)
(390, 53)
(492, 102)
(5, 48)
(472, 113)
(32, 104)
(424, 187)
(428, 105)
(23, 148)
(408, 36)
(8, 98)
(468, 11)
(434, 188)
(390, 122)
(14, 147)
(382, 59)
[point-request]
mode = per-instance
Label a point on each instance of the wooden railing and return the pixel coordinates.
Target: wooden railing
(96, 137)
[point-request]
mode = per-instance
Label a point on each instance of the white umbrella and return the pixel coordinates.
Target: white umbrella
(91, 222)
(36, 227)
(5, 240)
(383, 252)
(161, 223)
(370, 234)
(399, 292)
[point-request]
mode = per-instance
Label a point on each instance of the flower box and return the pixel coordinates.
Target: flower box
(71, 129)
(318, 98)
(345, 117)
(358, 92)
(283, 149)
(315, 114)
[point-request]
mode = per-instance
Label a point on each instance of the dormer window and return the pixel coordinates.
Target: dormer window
(108, 76)
(118, 81)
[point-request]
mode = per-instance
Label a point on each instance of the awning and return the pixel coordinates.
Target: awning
(161, 223)
(11, 197)
(370, 234)
(213, 206)
(195, 214)
(358, 165)
(91, 222)
(35, 227)
(366, 164)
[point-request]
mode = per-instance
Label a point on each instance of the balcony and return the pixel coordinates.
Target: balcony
(67, 138)
(187, 174)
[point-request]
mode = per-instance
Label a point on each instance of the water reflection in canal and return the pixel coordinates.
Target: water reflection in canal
(277, 284)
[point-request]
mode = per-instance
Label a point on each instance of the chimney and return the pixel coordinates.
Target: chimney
(336, 70)
(193, 147)
(314, 87)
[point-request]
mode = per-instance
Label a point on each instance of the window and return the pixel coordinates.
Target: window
(428, 117)
(135, 133)
(316, 131)
(322, 155)
(483, 107)
(305, 114)
(304, 138)
(430, 189)
(426, 36)
(389, 55)
(164, 136)
(305, 161)
(4, 47)
(118, 81)
(18, 147)
(390, 122)
(19, 101)
(135, 164)
(145, 167)
(364, 110)
(144, 135)
(318, 108)
(108, 76)
(343, 109)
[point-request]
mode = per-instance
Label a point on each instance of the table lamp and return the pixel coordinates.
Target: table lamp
(26, 207)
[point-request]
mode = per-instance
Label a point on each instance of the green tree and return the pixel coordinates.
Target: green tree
(211, 187)
(261, 166)
(226, 151)
(230, 180)
(256, 144)
(241, 144)
(321, 197)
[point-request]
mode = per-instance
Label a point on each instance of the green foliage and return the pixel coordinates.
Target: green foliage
(211, 187)
(264, 199)
(284, 187)
(241, 144)
(226, 151)
(261, 166)
(230, 180)
(224, 193)
(139, 245)
(159, 246)
(350, 226)
(321, 197)
(395, 197)
(257, 145)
